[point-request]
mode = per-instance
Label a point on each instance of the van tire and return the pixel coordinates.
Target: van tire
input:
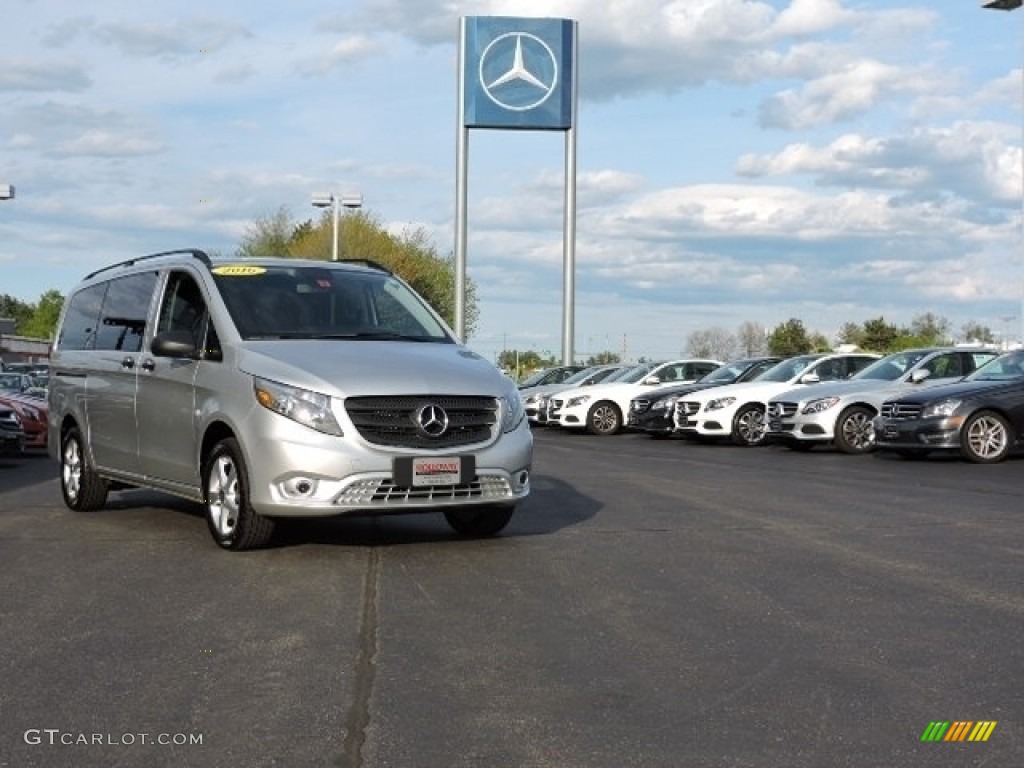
(234, 524)
(82, 488)
(479, 522)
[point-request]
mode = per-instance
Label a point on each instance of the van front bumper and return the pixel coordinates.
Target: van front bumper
(295, 471)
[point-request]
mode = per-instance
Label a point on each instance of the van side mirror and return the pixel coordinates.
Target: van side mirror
(810, 378)
(916, 377)
(652, 380)
(174, 344)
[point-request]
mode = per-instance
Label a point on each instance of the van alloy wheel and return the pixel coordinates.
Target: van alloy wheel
(83, 489)
(233, 523)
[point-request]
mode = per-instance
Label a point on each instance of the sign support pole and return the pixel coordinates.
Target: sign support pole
(569, 228)
(461, 184)
(527, 61)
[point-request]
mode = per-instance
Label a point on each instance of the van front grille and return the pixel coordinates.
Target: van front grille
(396, 422)
(375, 493)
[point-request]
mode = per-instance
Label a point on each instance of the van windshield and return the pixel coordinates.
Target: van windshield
(324, 302)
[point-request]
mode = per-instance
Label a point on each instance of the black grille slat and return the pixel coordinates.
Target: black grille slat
(687, 407)
(782, 410)
(389, 420)
(901, 410)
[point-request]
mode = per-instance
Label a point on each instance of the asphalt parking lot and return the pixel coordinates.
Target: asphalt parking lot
(654, 603)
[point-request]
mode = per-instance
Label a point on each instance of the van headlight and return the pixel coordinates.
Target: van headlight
(311, 409)
(512, 407)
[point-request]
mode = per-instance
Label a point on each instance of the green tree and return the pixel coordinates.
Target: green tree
(790, 338)
(929, 330)
(271, 235)
(880, 336)
(45, 313)
(521, 362)
(819, 342)
(851, 333)
(15, 309)
(973, 331)
(361, 235)
(603, 358)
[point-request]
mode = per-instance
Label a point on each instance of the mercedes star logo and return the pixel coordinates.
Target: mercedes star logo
(431, 420)
(518, 71)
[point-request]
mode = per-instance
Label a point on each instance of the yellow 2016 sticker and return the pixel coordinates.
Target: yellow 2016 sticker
(238, 270)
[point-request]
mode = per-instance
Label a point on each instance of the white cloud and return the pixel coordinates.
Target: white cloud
(888, 181)
(173, 39)
(105, 144)
(971, 157)
(22, 75)
(350, 50)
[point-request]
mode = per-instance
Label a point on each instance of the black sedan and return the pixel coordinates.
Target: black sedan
(981, 416)
(652, 413)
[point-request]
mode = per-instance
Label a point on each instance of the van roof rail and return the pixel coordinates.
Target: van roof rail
(368, 263)
(194, 252)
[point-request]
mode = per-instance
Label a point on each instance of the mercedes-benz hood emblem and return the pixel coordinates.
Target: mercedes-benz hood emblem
(431, 420)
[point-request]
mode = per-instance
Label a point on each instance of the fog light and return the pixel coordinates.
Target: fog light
(298, 487)
(522, 479)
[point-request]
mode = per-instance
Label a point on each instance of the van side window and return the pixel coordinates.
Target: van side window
(80, 322)
(123, 317)
(184, 309)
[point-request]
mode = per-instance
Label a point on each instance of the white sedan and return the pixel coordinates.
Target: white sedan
(737, 411)
(602, 407)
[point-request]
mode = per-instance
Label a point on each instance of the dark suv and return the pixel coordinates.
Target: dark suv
(653, 413)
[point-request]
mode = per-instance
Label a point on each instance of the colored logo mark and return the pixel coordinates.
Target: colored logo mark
(958, 730)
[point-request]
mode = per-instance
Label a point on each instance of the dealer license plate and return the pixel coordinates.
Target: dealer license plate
(420, 471)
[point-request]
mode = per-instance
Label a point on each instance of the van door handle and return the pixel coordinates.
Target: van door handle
(148, 364)
(128, 363)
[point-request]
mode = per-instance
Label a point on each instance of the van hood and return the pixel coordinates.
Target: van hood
(351, 368)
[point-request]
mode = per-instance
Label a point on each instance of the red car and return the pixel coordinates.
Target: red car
(34, 413)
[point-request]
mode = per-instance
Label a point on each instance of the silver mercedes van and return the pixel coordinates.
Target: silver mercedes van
(274, 388)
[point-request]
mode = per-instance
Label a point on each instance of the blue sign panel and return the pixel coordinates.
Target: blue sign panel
(518, 73)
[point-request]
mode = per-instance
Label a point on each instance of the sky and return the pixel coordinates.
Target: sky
(737, 161)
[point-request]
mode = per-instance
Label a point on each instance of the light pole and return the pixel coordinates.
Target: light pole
(350, 200)
(1007, 319)
(6, 191)
(1011, 5)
